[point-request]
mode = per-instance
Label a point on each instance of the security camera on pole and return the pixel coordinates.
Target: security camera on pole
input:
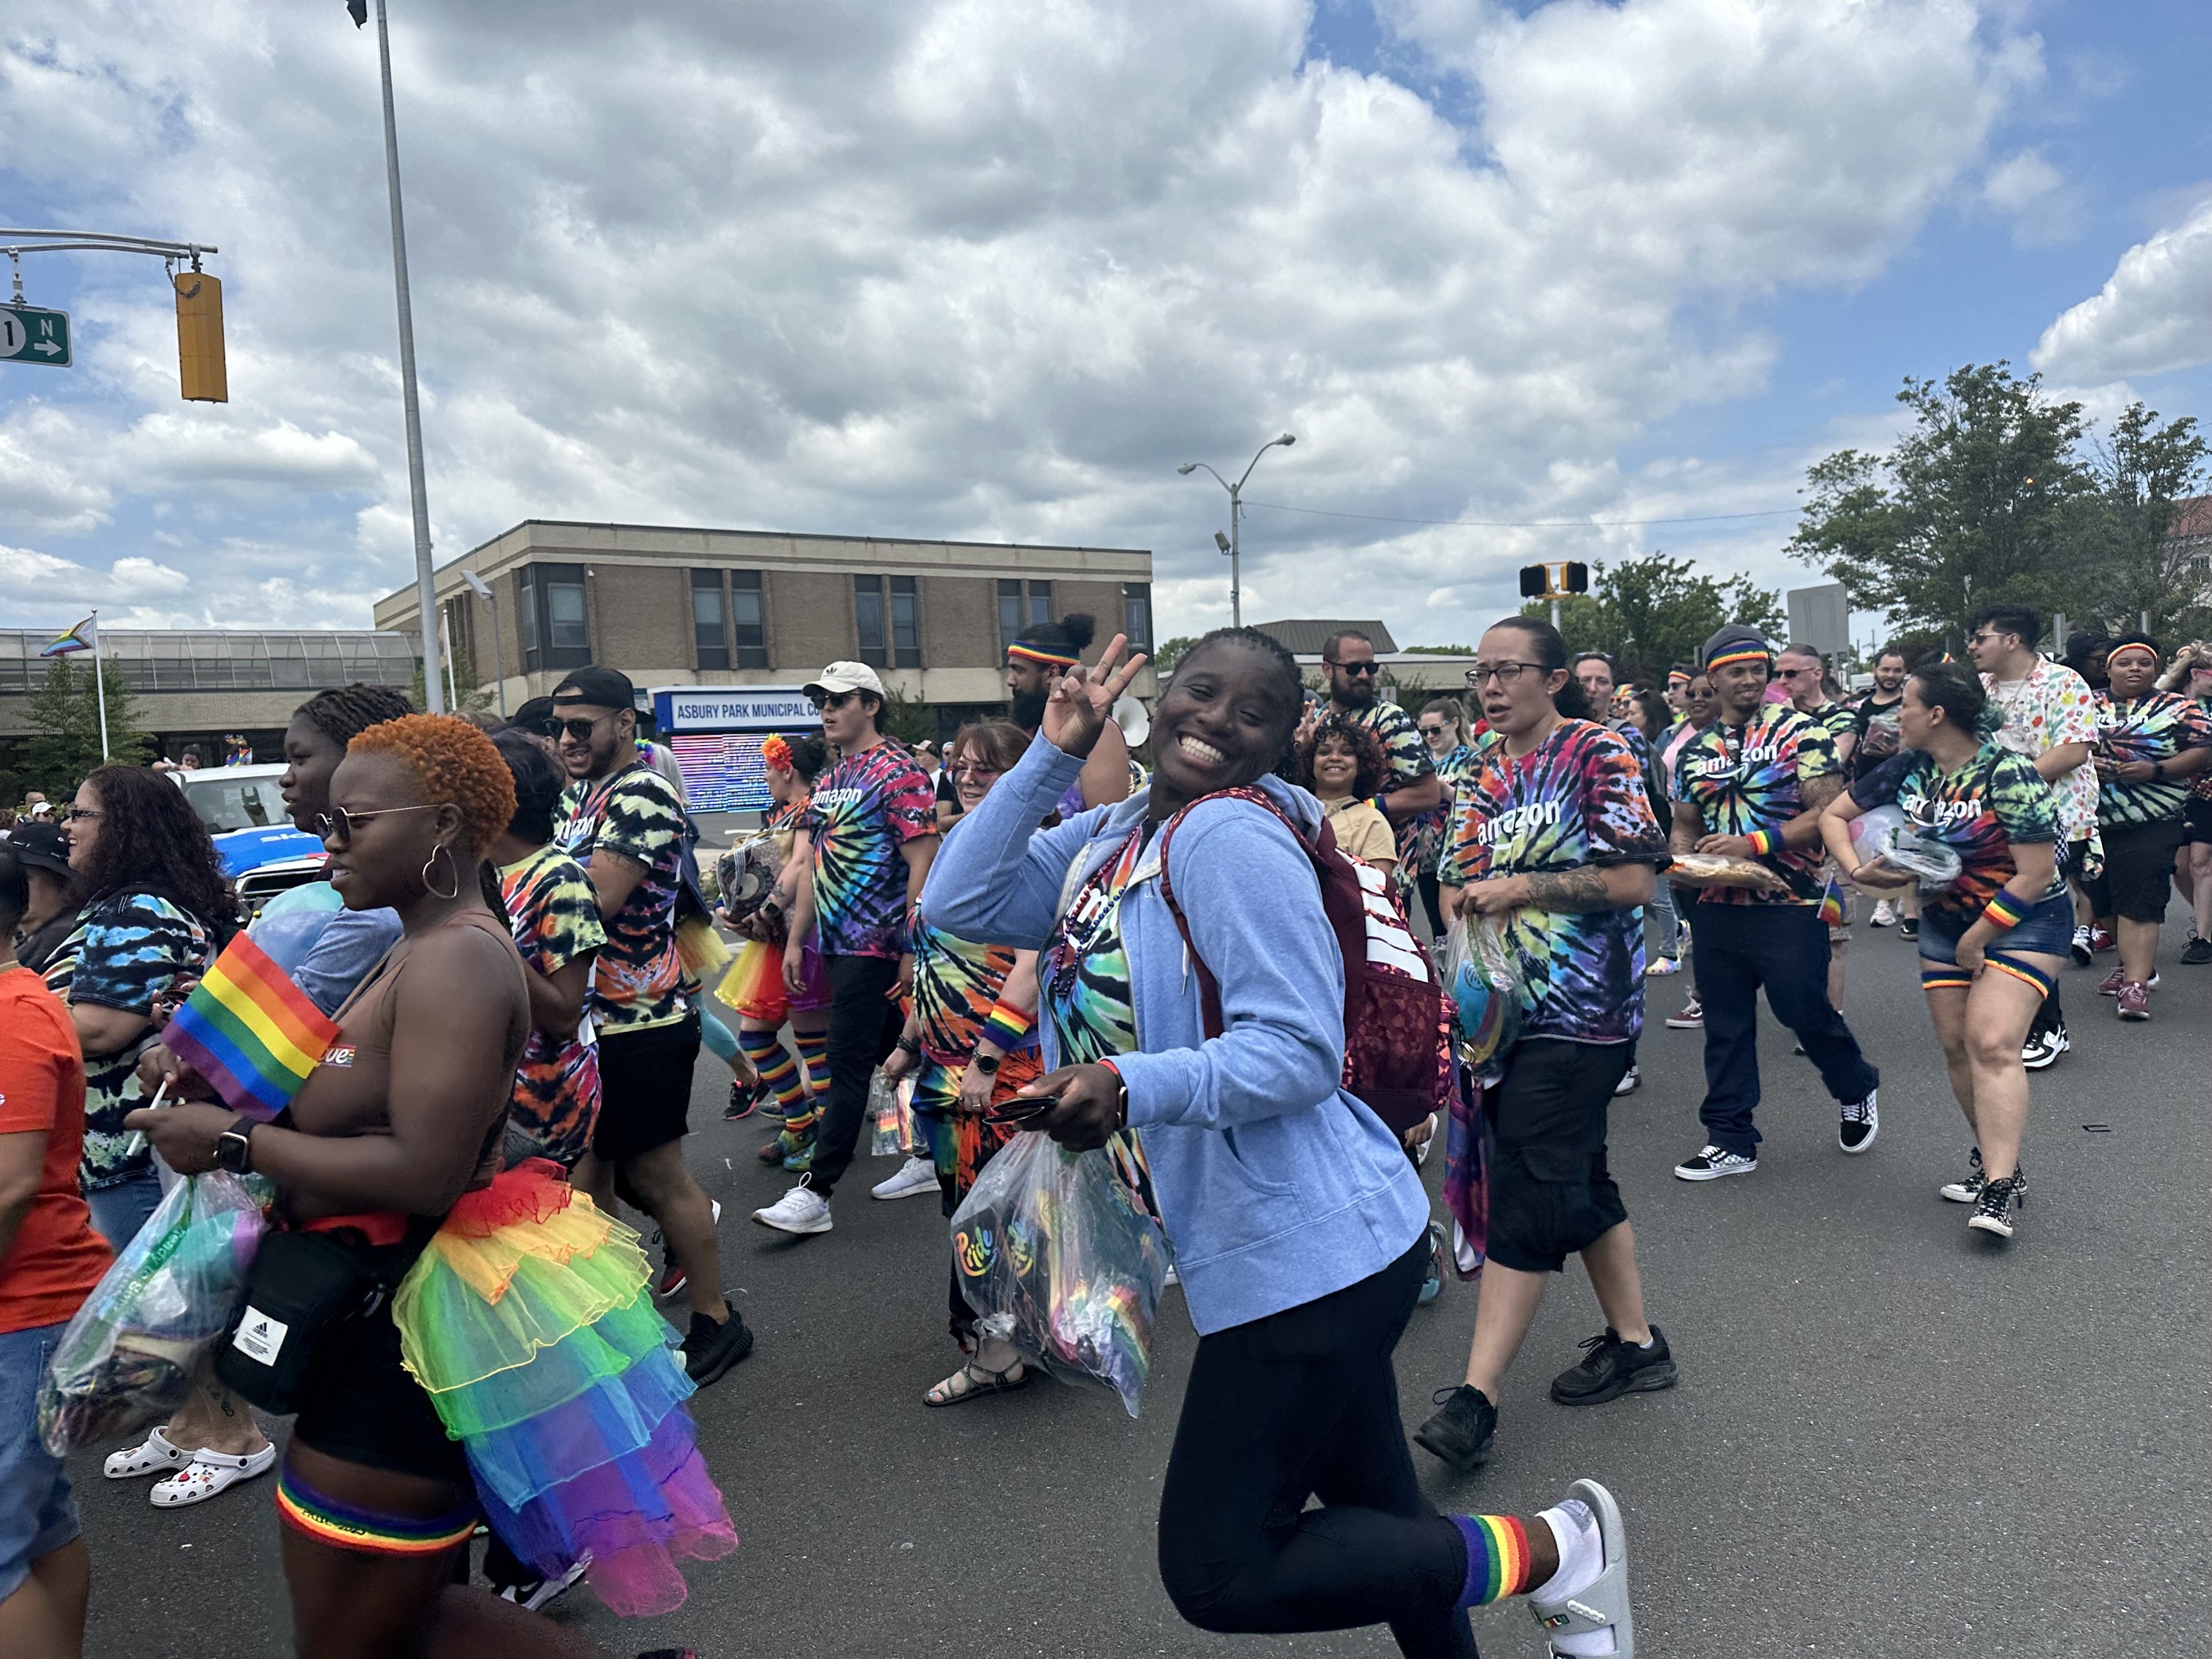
(1233, 546)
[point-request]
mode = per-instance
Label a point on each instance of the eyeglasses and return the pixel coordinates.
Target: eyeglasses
(1355, 667)
(830, 700)
(580, 730)
(71, 814)
(1504, 672)
(969, 770)
(338, 824)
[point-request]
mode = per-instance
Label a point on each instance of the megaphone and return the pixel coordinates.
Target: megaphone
(1129, 714)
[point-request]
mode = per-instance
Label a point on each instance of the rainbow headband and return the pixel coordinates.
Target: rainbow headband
(1675, 677)
(776, 752)
(1031, 654)
(2118, 652)
(1741, 654)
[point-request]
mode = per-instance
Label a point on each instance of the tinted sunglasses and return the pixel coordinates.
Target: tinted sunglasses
(1357, 667)
(830, 699)
(581, 729)
(338, 824)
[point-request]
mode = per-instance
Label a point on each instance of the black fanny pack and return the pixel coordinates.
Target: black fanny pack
(300, 1284)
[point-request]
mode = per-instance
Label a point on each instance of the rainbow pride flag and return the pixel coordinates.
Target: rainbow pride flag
(250, 1031)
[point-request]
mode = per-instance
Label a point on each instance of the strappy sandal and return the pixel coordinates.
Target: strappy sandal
(1603, 1604)
(153, 1456)
(967, 1387)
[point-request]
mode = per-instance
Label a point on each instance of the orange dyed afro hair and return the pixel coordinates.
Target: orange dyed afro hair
(450, 760)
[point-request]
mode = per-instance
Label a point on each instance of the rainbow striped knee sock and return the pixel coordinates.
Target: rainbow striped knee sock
(779, 1071)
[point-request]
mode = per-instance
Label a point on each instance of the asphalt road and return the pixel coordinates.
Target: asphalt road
(1892, 1437)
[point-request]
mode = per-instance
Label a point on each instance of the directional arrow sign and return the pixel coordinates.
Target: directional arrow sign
(31, 335)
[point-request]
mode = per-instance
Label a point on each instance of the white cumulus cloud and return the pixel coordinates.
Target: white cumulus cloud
(2152, 315)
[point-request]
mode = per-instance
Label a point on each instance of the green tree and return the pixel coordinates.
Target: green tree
(1982, 500)
(2140, 470)
(1170, 653)
(908, 719)
(1649, 613)
(64, 715)
(475, 696)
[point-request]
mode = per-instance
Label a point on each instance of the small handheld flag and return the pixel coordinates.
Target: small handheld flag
(250, 1031)
(83, 637)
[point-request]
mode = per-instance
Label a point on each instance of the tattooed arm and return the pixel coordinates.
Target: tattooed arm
(1804, 830)
(1587, 889)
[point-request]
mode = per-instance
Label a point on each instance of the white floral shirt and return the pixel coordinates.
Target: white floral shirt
(2053, 705)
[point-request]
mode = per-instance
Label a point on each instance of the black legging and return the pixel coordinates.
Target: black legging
(1430, 887)
(1305, 1402)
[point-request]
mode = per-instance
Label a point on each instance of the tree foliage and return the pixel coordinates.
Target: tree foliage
(1170, 653)
(1650, 612)
(1998, 492)
(64, 716)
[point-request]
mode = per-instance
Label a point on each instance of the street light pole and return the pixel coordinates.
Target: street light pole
(425, 596)
(1236, 548)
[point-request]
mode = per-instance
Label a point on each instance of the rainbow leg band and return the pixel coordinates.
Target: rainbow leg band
(342, 1526)
(1944, 977)
(1497, 1559)
(2024, 972)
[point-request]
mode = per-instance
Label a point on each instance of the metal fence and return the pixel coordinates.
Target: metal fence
(190, 659)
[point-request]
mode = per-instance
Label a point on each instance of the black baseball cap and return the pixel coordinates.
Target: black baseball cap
(597, 687)
(41, 844)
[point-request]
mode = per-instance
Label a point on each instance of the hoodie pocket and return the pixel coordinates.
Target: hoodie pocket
(1248, 1147)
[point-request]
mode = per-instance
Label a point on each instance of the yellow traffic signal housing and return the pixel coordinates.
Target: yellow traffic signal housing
(199, 338)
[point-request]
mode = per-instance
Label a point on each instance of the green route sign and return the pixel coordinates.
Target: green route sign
(29, 335)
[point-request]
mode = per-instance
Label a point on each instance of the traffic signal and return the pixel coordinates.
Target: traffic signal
(1577, 579)
(199, 338)
(1536, 581)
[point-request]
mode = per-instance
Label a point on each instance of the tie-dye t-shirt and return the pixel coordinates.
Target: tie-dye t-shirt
(956, 986)
(865, 809)
(2155, 726)
(1996, 799)
(637, 982)
(126, 950)
(1432, 836)
(555, 915)
(1748, 777)
(1576, 799)
(1083, 975)
(1407, 751)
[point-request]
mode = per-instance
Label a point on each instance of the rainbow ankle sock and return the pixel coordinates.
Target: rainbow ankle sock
(814, 1052)
(779, 1071)
(1497, 1559)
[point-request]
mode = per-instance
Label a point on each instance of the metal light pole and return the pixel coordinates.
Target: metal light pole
(426, 598)
(1235, 549)
(484, 590)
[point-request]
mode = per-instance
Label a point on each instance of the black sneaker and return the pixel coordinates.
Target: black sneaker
(1909, 927)
(1858, 1122)
(1993, 1211)
(2197, 953)
(745, 1100)
(1969, 1189)
(1462, 1433)
(711, 1349)
(1612, 1368)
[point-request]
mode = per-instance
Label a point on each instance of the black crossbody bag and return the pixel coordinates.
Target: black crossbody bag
(300, 1285)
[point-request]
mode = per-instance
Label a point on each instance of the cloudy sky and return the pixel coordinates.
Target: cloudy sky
(994, 268)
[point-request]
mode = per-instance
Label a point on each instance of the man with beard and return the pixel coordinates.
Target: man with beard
(1875, 738)
(1044, 651)
(1415, 795)
(624, 822)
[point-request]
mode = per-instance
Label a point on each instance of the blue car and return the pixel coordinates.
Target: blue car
(244, 810)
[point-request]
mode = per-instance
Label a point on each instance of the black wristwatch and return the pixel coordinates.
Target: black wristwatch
(988, 1065)
(2158, 771)
(233, 1147)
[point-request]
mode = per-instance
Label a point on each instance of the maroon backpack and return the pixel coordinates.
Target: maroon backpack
(1397, 1028)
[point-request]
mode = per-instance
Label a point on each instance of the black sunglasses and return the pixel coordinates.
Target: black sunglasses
(581, 729)
(1356, 667)
(830, 699)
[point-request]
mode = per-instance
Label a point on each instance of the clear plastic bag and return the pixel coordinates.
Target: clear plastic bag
(891, 1108)
(1056, 1256)
(1883, 833)
(1487, 991)
(131, 1355)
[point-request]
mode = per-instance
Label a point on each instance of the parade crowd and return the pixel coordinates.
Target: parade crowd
(1156, 935)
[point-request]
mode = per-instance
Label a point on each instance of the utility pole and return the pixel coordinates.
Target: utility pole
(426, 596)
(1235, 546)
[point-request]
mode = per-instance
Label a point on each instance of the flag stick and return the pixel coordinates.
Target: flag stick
(137, 1144)
(98, 685)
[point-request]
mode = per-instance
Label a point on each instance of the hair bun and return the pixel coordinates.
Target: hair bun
(1081, 628)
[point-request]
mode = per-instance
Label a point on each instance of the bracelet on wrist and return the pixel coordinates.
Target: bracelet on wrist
(2004, 911)
(1762, 842)
(1122, 1107)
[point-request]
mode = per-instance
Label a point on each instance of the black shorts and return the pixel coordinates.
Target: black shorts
(645, 1089)
(358, 1402)
(2197, 820)
(1550, 1193)
(2138, 877)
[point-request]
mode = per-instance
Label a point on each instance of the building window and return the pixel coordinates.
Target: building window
(889, 627)
(1019, 609)
(748, 617)
(1137, 614)
(710, 640)
(551, 615)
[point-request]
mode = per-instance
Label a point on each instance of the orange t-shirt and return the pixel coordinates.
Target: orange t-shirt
(57, 1258)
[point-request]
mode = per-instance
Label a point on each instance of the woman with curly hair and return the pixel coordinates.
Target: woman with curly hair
(386, 1169)
(1345, 768)
(155, 910)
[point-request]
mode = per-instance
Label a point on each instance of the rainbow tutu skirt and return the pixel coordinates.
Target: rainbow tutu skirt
(528, 1320)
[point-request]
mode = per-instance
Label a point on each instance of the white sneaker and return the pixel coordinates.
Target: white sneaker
(916, 1176)
(1883, 916)
(801, 1210)
(1631, 1081)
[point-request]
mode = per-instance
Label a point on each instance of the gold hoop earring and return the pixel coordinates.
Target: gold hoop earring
(428, 887)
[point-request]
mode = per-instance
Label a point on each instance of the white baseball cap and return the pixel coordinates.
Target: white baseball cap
(841, 676)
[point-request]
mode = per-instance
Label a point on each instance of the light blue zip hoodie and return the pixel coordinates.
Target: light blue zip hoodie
(1276, 1186)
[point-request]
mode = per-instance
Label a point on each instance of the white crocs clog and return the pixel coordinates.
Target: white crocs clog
(208, 1473)
(153, 1456)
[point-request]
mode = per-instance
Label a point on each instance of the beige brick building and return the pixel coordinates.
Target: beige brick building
(673, 606)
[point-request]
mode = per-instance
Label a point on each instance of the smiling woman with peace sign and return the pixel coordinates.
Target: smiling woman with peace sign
(1299, 1225)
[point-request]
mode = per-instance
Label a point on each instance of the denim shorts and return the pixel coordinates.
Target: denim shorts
(2047, 930)
(37, 1514)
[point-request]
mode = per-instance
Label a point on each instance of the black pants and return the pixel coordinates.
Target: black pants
(1738, 948)
(1305, 1403)
(859, 1013)
(1431, 889)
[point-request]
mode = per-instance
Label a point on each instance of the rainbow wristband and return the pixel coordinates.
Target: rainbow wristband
(1762, 842)
(1008, 1027)
(2003, 911)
